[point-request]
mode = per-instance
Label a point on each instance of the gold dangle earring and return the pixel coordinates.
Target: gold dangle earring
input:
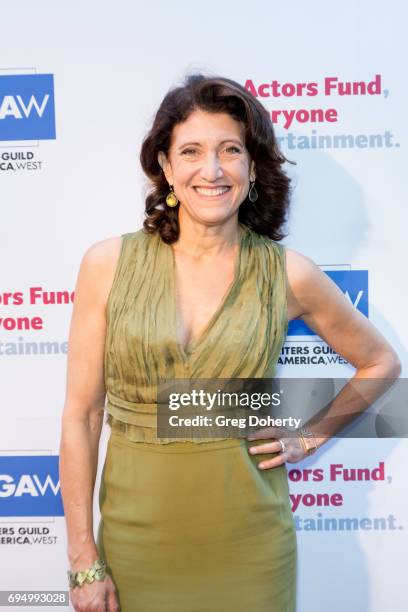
(171, 199)
(253, 194)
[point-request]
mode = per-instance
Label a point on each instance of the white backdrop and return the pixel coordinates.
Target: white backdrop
(111, 65)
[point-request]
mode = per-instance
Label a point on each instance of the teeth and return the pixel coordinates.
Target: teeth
(211, 192)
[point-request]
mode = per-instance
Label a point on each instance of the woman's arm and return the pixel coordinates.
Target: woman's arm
(313, 297)
(325, 309)
(82, 417)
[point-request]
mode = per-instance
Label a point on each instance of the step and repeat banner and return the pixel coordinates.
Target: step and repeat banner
(79, 86)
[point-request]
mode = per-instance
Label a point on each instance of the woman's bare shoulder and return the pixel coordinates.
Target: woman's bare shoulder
(300, 268)
(98, 265)
(304, 278)
(104, 252)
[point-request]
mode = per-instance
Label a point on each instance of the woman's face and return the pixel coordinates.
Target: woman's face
(209, 166)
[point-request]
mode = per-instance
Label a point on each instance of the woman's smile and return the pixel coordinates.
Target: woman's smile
(214, 192)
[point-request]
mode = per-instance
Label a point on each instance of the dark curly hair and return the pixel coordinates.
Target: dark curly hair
(218, 95)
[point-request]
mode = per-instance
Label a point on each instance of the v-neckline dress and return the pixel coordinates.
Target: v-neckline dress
(185, 352)
(243, 338)
(192, 525)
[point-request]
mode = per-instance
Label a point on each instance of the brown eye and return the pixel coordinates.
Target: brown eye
(233, 149)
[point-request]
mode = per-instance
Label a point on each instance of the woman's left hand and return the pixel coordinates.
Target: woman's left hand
(293, 449)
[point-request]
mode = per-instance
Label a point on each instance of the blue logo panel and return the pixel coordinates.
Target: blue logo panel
(27, 109)
(29, 486)
(353, 283)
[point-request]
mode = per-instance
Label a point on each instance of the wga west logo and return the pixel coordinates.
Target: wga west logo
(29, 486)
(27, 110)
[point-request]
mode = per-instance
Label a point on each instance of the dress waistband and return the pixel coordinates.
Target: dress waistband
(175, 446)
(137, 421)
(140, 407)
(142, 414)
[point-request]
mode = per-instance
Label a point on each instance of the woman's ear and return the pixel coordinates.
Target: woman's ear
(165, 166)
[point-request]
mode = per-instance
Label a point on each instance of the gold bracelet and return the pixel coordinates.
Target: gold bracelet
(308, 441)
(96, 572)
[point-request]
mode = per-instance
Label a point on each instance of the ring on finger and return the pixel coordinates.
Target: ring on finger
(283, 445)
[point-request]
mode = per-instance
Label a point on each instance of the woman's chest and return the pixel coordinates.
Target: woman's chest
(200, 291)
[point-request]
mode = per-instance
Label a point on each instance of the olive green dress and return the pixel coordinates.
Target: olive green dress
(192, 525)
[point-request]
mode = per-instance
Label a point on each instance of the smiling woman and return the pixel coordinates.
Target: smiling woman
(211, 135)
(188, 301)
(203, 291)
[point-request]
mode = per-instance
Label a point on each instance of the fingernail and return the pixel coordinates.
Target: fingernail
(261, 465)
(252, 449)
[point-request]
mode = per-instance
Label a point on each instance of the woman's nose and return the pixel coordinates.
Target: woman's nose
(211, 168)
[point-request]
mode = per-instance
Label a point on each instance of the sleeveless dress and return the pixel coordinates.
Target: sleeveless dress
(192, 525)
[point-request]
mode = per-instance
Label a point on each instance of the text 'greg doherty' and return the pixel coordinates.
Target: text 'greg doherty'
(207, 400)
(253, 420)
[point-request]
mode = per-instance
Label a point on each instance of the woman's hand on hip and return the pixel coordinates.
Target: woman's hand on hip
(280, 440)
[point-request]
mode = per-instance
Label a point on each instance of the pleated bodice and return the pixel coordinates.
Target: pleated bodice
(242, 339)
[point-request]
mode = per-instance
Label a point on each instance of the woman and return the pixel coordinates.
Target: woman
(204, 291)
